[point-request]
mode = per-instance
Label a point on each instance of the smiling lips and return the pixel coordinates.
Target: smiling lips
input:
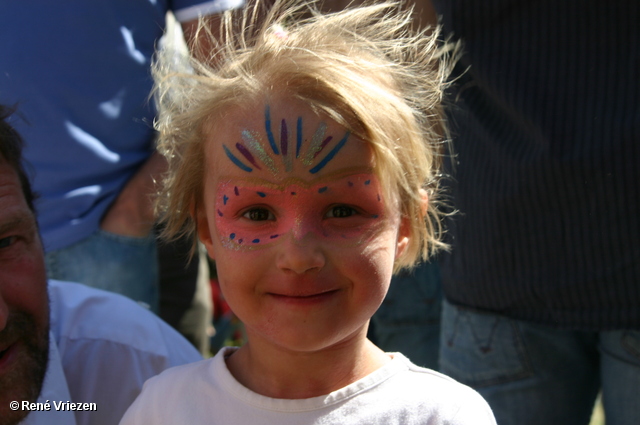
(303, 297)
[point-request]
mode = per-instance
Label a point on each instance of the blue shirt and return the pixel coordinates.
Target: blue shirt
(79, 72)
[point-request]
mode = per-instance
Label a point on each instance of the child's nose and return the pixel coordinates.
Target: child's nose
(301, 255)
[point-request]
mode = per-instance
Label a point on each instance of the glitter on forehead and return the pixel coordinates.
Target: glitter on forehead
(284, 138)
(245, 152)
(323, 145)
(316, 141)
(255, 146)
(330, 155)
(253, 152)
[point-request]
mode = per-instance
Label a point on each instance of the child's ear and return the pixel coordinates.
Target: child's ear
(424, 202)
(199, 214)
(404, 234)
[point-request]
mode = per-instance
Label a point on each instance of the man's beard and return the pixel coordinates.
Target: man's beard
(24, 380)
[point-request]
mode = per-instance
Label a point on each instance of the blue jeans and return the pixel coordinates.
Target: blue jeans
(536, 374)
(121, 264)
(408, 320)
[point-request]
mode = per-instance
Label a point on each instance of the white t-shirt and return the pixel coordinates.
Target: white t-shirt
(397, 393)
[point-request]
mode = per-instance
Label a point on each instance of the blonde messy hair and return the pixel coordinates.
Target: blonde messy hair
(363, 67)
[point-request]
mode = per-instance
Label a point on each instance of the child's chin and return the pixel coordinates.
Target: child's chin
(314, 341)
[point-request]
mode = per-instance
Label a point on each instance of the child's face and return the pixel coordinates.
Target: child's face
(293, 214)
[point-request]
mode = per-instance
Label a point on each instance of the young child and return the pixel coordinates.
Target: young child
(305, 159)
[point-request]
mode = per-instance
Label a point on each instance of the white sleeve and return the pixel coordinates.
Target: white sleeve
(474, 410)
(109, 346)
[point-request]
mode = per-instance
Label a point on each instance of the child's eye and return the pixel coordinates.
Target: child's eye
(340, 211)
(259, 214)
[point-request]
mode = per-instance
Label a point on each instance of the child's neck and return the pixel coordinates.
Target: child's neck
(280, 373)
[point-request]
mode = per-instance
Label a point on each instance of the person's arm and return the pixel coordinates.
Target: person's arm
(132, 213)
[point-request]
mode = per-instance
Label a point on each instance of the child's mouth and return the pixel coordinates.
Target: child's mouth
(304, 298)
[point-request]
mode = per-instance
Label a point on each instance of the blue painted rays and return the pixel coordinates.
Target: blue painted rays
(254, 154)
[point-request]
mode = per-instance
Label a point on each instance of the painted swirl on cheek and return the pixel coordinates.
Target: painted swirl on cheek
(255, 214)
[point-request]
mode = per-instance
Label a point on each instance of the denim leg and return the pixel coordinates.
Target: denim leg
(620, 362)
(121, 264)
(408, 320)
(528, 373)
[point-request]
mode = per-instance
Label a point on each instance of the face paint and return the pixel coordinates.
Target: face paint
(278, 158)
(304, 250)
(252, 213)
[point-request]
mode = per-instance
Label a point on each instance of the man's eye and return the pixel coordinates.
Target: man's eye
(341, 211)
(7, 242)
(259, 214)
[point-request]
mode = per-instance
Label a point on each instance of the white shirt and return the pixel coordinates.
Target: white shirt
(103, 347)
(397, 393)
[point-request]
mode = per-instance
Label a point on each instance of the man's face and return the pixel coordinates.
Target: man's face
(24, 310)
